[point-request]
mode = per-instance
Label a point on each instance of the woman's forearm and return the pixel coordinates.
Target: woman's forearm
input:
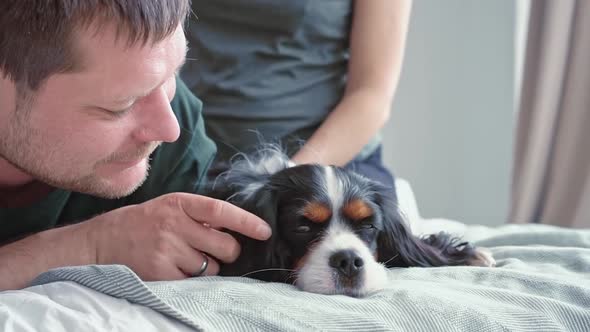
(343, 134)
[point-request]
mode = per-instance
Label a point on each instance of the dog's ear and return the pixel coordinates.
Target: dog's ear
(398, 247)
(256, 256)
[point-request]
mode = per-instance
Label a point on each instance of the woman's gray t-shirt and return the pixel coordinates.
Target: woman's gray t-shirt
(270, 68)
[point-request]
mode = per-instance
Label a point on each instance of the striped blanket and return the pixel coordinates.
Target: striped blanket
(541, 283)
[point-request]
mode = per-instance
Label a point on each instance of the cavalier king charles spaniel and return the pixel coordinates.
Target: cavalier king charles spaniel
(334, 231)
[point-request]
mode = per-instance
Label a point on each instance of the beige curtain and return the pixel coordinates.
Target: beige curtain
(551, 175)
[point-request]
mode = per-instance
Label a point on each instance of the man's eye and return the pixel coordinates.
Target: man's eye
(117, 113)
(123, 112)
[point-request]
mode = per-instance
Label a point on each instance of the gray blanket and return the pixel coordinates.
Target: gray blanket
(541, 283)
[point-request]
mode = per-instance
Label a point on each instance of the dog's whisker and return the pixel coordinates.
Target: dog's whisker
(293, 276)
(389, 260)
(266, 270)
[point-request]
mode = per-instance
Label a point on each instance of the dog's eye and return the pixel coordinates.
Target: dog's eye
(366, 226)
(303, 229)
(366, 223)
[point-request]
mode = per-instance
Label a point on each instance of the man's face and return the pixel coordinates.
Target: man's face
(92, 131)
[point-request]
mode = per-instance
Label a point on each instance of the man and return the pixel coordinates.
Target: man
(88, 91)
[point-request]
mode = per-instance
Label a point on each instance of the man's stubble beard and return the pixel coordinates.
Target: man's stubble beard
(19, 145)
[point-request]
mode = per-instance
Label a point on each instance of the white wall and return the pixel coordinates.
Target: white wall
(451, 130)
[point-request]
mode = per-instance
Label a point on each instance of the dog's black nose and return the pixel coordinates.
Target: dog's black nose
(347, 262)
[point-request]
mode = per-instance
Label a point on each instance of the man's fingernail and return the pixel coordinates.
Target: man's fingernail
(264, 230)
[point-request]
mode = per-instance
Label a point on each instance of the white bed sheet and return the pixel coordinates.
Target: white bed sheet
(67, 306)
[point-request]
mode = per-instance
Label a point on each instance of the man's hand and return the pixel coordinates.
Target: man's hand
(163, 239)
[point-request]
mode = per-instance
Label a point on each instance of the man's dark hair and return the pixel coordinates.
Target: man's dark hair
(37, 36)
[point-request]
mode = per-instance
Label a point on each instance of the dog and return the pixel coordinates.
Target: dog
(334, 231)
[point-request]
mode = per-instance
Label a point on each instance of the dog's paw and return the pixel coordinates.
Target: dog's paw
(483, 257)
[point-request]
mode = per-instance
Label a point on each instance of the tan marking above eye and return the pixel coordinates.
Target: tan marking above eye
(356, 209)
(317, 212)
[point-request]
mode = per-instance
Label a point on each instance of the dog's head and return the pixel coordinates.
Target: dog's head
(334, 231)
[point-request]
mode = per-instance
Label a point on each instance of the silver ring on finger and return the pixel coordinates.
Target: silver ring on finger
(204, 266)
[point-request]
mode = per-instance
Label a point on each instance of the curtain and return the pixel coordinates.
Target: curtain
(551, 171)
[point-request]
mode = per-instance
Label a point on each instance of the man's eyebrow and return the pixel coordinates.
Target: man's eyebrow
(128, 100)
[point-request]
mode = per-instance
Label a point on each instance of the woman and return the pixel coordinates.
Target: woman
(323, 72)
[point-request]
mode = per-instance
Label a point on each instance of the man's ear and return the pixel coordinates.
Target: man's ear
(258, 255)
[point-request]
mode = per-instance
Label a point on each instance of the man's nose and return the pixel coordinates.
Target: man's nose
(158, 121)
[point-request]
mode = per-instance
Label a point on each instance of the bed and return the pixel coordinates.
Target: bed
(541, 283)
